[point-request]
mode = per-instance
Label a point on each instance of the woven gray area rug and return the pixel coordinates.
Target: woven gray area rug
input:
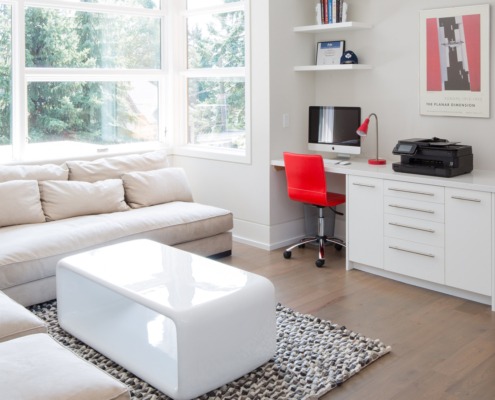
(313, 357)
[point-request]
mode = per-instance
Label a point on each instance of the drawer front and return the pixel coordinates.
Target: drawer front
(415, 230)
(414, 209)
(414, 191)
(414, 259)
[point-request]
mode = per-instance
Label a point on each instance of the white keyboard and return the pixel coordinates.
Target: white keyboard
(335, 161)
(331, 161)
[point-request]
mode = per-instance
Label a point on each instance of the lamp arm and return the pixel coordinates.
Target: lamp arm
(376, 120)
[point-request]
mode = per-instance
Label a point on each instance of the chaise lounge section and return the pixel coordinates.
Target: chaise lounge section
(29, 355)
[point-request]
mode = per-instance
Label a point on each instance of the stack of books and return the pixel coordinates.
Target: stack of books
(331, 11)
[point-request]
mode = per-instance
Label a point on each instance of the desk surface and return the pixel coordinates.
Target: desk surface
(482, 180)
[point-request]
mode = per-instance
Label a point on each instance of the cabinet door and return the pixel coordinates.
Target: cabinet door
(468, 240)
(365, 220)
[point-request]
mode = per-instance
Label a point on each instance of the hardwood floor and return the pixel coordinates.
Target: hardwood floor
(443, 347)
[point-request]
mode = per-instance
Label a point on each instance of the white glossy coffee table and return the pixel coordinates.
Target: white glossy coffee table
(184, 323)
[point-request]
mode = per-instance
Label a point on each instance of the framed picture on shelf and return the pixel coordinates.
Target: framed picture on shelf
(329, 53)
(454, 61)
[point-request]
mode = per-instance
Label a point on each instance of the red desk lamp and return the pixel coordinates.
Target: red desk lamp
(363, 131)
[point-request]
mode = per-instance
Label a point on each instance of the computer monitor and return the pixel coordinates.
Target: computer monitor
(333, 129)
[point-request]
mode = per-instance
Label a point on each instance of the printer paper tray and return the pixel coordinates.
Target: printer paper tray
(429, 170)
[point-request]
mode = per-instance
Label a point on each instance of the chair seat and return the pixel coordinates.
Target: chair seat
(332, 200)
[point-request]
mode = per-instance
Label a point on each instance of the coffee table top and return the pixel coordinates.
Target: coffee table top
(161, 277)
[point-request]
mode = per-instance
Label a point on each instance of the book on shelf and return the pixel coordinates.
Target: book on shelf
(331, 11)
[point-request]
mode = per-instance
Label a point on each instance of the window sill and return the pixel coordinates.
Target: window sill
(59, 152)
(213, 153)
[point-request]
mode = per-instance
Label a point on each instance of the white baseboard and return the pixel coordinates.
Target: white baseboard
(479, 298)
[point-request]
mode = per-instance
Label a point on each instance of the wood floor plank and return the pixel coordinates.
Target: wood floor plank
(443, 347)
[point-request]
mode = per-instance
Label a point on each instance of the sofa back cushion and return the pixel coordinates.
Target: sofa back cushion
(33, 172)
(73, 198)
(149, 188)
(114, 167)
(20, 203)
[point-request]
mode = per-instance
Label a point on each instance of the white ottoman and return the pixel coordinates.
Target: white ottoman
(16, 321)
(36, 367)
(184, 323)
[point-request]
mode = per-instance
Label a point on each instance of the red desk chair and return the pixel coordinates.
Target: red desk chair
(306, 182)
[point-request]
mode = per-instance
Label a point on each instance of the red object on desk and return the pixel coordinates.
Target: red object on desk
(363, 132)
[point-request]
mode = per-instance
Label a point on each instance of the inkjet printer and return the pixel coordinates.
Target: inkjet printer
(437, 157)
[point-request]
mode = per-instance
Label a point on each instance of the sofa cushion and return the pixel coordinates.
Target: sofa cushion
(16, 321)
(143, 189)
(33, 172)
(114, 167)
(36, 367)
(65, 199)
(20, 203)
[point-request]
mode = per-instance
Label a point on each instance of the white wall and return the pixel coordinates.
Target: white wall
(256, 193)
(391, 88)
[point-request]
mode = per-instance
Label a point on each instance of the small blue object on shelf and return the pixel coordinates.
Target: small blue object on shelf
(349, 57)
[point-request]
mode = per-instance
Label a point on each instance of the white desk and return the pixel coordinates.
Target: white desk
(432, 232)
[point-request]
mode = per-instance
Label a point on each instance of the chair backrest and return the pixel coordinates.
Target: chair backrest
(306, 179)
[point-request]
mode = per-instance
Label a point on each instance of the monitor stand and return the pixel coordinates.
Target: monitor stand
(340, 157)
(343, 156)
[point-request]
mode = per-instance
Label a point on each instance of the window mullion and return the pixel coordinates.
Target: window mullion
(94, 7)
(34, 74)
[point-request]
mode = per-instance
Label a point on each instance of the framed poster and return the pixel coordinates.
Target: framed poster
(454, 61)
(328, 53)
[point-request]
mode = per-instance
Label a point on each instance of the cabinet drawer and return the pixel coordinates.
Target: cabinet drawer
(415, 230)
(414, 191)
(414, 259)
(414, 209)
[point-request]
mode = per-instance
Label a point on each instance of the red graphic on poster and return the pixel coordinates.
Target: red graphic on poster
(453, 55)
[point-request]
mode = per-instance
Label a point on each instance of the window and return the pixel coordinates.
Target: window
(215, 77)
(84, 76)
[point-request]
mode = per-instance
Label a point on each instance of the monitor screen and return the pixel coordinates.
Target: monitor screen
(333, 129)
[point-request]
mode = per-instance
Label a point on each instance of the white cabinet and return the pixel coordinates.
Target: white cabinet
(365, 220)
(468, 240)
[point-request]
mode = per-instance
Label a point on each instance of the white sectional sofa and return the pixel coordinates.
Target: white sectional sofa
(29, 355)
(48, 212)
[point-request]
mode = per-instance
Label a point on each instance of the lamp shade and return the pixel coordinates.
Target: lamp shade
(363, 128)
(363, 131)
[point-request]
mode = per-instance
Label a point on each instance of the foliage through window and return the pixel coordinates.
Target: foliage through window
(96, 73)
(5, 73)
(216, 81)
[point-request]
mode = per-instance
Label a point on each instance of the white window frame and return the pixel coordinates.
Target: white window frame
(181, 147)
(22, 76)
(172, 78)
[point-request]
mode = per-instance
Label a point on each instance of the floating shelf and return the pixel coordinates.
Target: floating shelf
(338, 26)
(337, 67)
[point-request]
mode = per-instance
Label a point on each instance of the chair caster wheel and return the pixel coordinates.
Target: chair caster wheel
(287, 254)
(319, 263)
(338, 247)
